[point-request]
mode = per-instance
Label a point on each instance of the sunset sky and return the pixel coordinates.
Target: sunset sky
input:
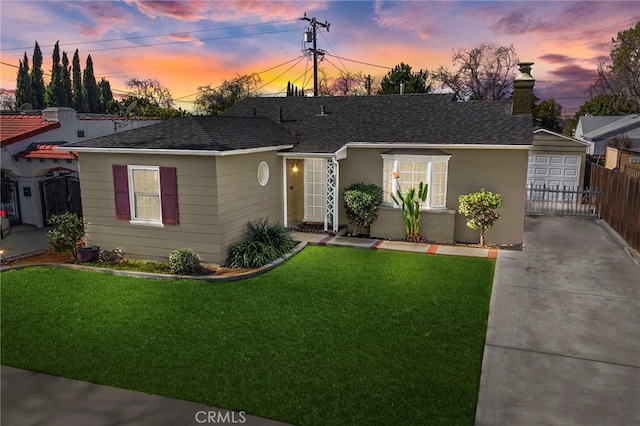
(187, 44)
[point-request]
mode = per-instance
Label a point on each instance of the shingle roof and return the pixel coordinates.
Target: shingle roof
(18, 127)
(205, 133)
(46, 151)
(429, 119)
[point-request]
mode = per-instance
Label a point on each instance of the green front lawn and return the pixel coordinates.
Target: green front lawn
(332, 336)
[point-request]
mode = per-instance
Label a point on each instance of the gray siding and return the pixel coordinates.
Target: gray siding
(197, 203)
(242, 199)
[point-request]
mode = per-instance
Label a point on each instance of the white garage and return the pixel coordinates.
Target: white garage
(556, 160)
(554, 170)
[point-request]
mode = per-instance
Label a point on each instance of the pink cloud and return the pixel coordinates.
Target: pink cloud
(186, 38)
(183, 10)
(103, 17)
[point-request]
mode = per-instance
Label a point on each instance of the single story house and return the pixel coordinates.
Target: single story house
(556, 160)
(196, 181)
(598, 130)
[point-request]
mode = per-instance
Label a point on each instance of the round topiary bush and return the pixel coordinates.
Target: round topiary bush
(185, 262)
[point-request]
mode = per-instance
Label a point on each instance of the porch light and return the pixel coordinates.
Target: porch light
(294, 167)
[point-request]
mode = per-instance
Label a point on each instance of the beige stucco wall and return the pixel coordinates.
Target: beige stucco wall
(217, 196)
(499, 170)
(548, 144)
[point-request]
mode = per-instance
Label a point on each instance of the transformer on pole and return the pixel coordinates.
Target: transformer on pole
(310, 37)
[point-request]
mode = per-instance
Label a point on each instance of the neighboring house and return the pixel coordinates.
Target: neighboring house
(556, 160)
(622, 159)
(32, 166)
(196, 181)
(598, 130)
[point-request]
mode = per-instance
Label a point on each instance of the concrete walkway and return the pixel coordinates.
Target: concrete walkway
(24, 241)
(563, 339)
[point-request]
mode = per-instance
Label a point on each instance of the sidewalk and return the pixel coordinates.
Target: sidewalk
(370, 243)
(24, 241)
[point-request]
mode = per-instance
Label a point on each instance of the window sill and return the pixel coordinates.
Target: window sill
(152, 223)
(389, 206)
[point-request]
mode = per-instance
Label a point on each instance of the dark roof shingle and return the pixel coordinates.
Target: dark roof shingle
(195, 132)
(420, 118)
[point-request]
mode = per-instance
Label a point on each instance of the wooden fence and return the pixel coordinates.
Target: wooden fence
(620, 203)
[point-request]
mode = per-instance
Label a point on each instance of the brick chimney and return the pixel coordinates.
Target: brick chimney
(522, 100)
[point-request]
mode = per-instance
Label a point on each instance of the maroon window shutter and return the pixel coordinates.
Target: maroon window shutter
(121, 192)
(169, 195)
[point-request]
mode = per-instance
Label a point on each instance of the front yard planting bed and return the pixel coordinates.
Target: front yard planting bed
(332, 336)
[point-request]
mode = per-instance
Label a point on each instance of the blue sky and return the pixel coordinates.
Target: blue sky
(188, 44)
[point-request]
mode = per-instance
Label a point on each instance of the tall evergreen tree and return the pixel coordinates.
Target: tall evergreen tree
(414, 82)
(37, 79)
(53, 95)
(23, 83)
(91, 87)
(66, 97)
(106, 96)
(79, 102)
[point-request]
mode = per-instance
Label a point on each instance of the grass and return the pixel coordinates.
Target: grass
(332, 336)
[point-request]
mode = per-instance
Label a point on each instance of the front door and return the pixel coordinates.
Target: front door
(315, 185)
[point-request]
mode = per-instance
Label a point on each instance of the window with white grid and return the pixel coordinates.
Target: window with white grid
(407, 171)
(145, 193)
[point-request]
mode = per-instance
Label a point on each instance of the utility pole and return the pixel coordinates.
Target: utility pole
(311, 37)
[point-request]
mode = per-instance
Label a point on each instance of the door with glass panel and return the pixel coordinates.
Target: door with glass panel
(314, 189)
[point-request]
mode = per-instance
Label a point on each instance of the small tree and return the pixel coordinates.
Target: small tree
(361, 201)
(480, 210)
(410, 207)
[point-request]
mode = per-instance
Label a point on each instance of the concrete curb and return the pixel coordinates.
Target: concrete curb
(224, 278)
(621, 241)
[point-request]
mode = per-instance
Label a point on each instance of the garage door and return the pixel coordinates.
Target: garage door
(553, 170)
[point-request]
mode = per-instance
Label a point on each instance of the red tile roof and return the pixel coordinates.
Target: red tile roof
(18, 127)
(46, 151)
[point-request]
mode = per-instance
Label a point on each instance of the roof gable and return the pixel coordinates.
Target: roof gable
(325, 124)
(18, 127)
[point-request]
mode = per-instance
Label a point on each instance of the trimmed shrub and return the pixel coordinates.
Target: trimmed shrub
(361, 201)
(185, 262)
(265, 243)
(67, 232)
(480, 209)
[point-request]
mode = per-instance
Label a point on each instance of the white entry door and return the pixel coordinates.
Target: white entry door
(315, 184)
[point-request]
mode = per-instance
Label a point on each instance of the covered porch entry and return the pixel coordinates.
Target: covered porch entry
(310, 188)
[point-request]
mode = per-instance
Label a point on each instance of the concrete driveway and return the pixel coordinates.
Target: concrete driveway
(563, 339)
(24, 240)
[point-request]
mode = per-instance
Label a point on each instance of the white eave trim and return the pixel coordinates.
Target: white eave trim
(206, 153)
(341, 151)
(297, 155)
(549, 132)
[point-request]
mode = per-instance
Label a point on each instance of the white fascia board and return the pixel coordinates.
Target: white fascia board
(431, 146)
(569, 138)
(297, 155)
(206, 153)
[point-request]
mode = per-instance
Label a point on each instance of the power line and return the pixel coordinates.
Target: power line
(191, 41)
(360, 62)
(157, 35)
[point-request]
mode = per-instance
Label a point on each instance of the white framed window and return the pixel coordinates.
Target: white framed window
(404, 171)
(144, 195)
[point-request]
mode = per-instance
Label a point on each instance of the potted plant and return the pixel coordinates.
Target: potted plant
(88, 254)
